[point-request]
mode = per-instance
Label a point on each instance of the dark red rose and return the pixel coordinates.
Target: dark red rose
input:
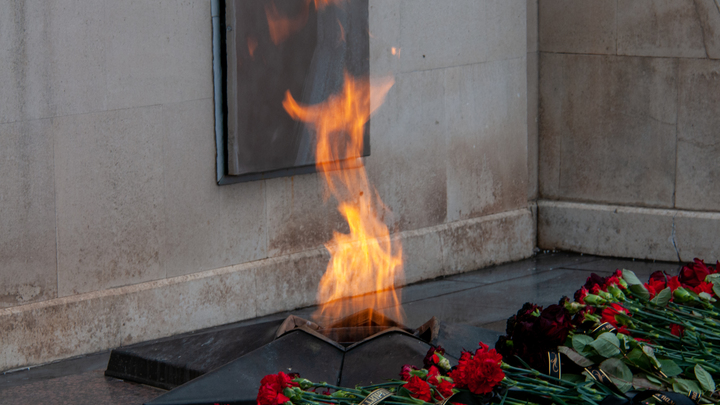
(693, 274)
(405, 372)
(444, 388)
(594, 280)
(484, 371)
(581, 294)
(579, 318)
(418, 388)
(431, 358)
(528, 310)
(522, 336)
(677, 330)
(658, 276)
(553, 325)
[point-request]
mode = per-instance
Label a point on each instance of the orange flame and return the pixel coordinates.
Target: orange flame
(341, 39)
(366, 260)
(252, 45)
(282, 27)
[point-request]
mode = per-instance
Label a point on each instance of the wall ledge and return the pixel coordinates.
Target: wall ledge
(624, 231)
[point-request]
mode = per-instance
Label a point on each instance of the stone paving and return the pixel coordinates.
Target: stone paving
(484, 297)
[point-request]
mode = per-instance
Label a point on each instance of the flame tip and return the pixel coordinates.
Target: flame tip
(367, 260)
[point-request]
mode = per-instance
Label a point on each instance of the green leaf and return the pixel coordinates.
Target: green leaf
(404, 392)
(607, 345)
(669, 367)
(704, 378)
(663, 297)
(650, 353)
(573, 378)
(638, 358)
(706, 296)
(625, 341)
(640, 291)
(653, 379)
(630, 277)
(580, 343)
(619, 373)
(642, 382)
(684, 387)
(716, 288)
(575, 357)
(713, 278)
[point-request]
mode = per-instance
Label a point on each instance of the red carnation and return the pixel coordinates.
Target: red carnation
(479, 373)
(267, 395)
(677, 330)
(458, 372)
(654, 286)
(704, 287)
(609, 316)
(484, 371)
(418, 388)
(281, 379)
(271, 389)
(432, 375)
(674, 283)
(405, 372)
(618, 276)
(444, 388)
(612, 280)
(656, 283)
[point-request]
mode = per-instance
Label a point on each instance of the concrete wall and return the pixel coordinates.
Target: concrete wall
(630, 127)
(113, 230)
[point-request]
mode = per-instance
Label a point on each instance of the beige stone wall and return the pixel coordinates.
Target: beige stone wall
(113, 230)
(630, 127)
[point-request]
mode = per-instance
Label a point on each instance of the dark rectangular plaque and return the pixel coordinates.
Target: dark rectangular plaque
(307, 53)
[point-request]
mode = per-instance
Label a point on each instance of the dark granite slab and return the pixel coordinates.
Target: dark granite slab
(238, 382)
(168, 363)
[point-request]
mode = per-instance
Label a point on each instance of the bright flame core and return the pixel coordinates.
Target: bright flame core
(366, 260)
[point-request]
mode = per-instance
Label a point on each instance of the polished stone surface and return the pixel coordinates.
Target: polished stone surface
(485, 297)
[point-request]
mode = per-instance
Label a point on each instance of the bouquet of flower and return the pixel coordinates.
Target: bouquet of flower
(479, 377)
(662, 335)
